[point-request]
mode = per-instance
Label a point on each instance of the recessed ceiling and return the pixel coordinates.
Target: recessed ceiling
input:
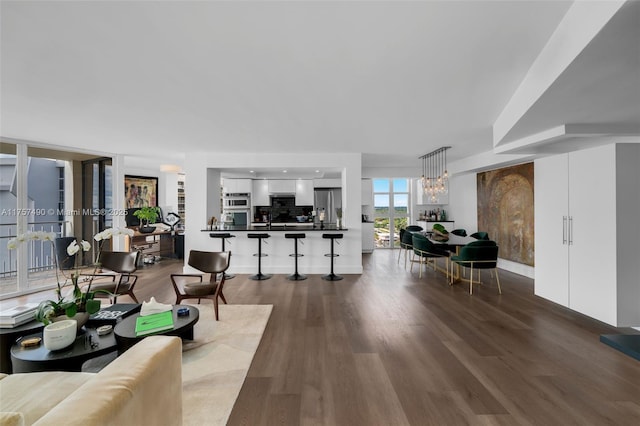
(390, 80)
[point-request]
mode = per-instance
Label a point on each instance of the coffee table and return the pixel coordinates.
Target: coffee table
(125, 330)
(71, 358)
(8, 337)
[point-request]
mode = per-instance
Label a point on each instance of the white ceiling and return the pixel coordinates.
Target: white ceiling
(393, 80)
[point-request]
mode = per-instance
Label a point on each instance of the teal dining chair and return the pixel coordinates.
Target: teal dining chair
(481, 254)
(425, 250)
(480, 235)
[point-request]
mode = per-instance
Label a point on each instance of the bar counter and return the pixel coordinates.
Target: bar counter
(298, 227)
(278, 248)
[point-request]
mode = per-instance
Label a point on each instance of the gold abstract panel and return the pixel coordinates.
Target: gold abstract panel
(505, 211)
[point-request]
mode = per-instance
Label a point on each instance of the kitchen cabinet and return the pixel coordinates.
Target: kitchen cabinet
(368, 242)
(304, 192)
(236, 186)
(583, 248)
(260, 193)
(282, 186)
(367, 192)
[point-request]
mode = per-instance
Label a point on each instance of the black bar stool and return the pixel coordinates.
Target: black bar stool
(332, 255)
(223, 237)
(296, 276)
(259, 276)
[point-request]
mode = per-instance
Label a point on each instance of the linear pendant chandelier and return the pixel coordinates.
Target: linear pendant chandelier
(435, 178)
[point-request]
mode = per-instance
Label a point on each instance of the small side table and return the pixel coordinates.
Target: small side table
(27, 360)
(125, 330)
(8, 337)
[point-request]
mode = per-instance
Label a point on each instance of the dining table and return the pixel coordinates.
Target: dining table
(453, 244)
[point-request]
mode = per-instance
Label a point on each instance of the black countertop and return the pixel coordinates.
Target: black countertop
(291, 228)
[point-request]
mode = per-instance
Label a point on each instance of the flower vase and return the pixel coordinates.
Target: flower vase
(81, 319)
(58, 335)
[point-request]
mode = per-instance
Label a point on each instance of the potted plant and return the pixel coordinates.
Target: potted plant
(147, 215)
(78, 304)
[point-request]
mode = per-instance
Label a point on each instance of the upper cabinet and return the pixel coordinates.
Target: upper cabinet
(367, 192)
(304, 192)
(236, 186)
(282, 186)
(260, 194)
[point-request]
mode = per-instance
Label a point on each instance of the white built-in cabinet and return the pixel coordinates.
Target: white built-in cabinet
(282, 186)
(236, 186)
(368, 242)
(260, 193)
(304, 192)
(581, 212)
(367, 192)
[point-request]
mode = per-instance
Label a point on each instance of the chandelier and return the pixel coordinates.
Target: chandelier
(435, 178)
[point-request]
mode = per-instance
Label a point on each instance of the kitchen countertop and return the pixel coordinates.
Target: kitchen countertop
(307, 227)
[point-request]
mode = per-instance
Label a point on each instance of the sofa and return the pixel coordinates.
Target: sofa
(143, 386)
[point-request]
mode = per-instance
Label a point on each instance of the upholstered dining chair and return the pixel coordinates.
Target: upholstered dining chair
(480, 235)
(426, 250)
(406, 244)
(481, 254)
(209, 262)
(414, 228)
(120, 265)
(459, 232)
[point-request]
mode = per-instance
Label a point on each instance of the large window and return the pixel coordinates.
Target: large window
(391, 210)
(37, 188)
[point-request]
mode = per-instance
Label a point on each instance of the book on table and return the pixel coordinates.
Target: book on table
(18, 315)
(154, 323)
(114, 313)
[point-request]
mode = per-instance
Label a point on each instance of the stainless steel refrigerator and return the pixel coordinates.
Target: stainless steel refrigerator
(328, 199)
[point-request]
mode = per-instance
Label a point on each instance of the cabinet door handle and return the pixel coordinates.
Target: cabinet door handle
(564, 230)
(570, 230)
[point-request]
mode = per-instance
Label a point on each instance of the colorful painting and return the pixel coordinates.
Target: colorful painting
(140, 191)
(505, 211)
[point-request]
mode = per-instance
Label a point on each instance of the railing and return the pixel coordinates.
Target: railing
(40, 253)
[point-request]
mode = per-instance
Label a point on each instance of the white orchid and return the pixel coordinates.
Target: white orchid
(72, 248)
(13, 243)
(86, 246)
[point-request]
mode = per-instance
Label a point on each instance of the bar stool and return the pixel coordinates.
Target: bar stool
(223, 236)
(332, 255)
(296, 276)
(259, 276)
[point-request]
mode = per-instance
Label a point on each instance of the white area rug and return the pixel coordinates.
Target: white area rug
(215, 363)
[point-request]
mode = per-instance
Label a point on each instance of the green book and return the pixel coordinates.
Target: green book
(154, 323)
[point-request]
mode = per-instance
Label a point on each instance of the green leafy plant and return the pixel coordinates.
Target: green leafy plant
(147, 215)
(441, 229)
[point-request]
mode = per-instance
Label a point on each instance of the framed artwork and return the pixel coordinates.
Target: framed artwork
(140, 191)
(505, 211)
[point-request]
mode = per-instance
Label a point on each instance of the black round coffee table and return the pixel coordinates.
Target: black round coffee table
(8, 337)
(88, 345)
(125, 330)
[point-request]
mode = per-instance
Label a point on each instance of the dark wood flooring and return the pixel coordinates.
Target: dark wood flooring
(388, 348)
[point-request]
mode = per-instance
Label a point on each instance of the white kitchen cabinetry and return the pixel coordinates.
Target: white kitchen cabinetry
(236, 186)
(282, 186)
(367, 192)
(260, 193)
(368, 242)
(582, 222)
(304, 192)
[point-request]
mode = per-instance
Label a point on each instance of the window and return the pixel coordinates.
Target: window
(391, 210)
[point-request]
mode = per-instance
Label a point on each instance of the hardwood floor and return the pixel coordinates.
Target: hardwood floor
(387, 348)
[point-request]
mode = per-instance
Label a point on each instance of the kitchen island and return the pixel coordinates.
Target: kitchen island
(278, 248)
